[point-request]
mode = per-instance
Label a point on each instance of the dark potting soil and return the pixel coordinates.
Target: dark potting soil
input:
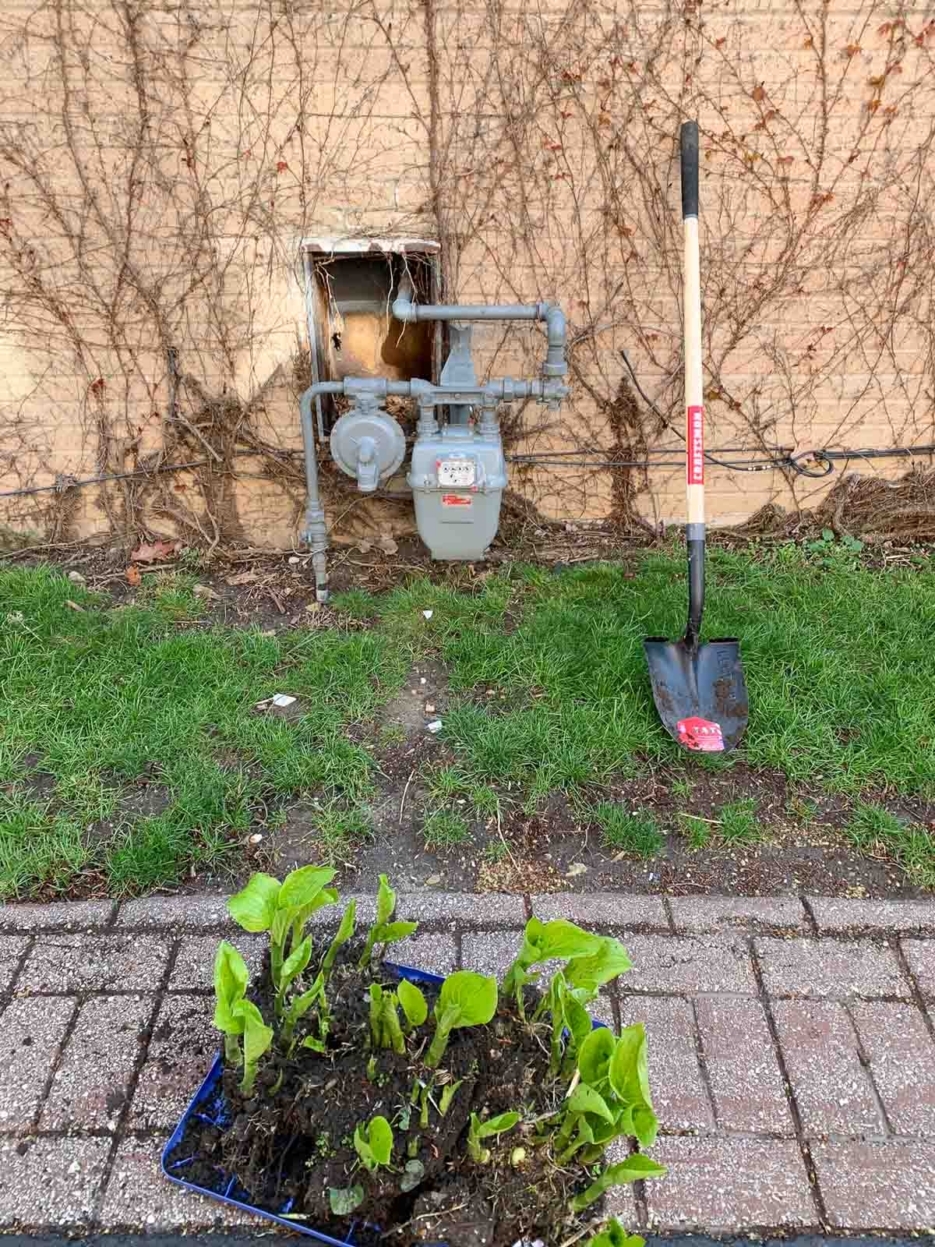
(295, 1142)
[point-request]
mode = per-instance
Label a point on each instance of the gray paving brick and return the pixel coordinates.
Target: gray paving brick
(140, 1198)
(920, 955)
(679, 1095)
(705, 914)
(490, 909)
(50, 1183)
(690, 964)
(12, 948)
(832, 968)
(899, 1047)
(74, 963)
(839, 913)
(434, 952)
(194, 962)
(31, 1033)
(489, 952)
(601, 909)
(727, 1184)
(743, 1070)
(877, 1186)
(59, 915)
(366, 911)
(831, 1086)
(90, 1086)
(152, 913)
(183, 1045)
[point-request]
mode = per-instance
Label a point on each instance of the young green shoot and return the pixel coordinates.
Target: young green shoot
(465, 999)
(374, 1145)
(480, 1130)
(384, 931)
(282, 909)
(257, 1038)
(414, 1005)
(230, 987)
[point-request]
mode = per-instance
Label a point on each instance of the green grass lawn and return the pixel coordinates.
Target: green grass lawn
(839, 660)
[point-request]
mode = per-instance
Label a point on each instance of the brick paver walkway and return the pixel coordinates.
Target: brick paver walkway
(792, 1052)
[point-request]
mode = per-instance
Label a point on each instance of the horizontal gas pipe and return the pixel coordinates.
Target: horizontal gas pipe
(409, 313)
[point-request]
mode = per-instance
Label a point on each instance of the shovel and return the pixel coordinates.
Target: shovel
(699, 690)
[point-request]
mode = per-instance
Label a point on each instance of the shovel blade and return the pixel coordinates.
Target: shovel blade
(699, 691)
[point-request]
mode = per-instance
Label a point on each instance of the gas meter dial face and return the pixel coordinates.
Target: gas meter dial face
(461, 473)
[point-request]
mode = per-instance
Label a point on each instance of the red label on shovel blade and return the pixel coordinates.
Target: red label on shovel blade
(700, 734)
(695, 445)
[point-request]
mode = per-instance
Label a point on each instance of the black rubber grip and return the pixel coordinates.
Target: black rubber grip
(689, 142)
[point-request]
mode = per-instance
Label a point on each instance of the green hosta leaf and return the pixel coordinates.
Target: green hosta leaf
(316, 1045)
(614, 1235)
(257, 1036)
(345, 1200)
(255, 906)
(633, 1169)
(585, 1099)
(344, 932)
(279, 927)
(374, 1145)
(577, 1019)
(295, 963)
(302, 886)
(230, 986)
(592, 972)
(413, 1002)
(467, 999)
(594, 1056)
(412, 1175)
(393, 932)
(494, 1125)
(629, 1077)
(559, 940)
(448, 1094)
(386, 902)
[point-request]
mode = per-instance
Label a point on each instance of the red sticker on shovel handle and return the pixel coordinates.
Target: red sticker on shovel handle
(695, 424)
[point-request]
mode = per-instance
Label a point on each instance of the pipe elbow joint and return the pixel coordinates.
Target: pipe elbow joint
(556, 329)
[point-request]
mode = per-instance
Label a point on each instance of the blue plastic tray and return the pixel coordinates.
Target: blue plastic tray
(209, 1106)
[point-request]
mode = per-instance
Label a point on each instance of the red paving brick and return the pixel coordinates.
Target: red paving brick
(89, 1090)
(690, 964)
(743, 1069)
(725, 1184)
(31, 1034)
(181, 1051)
(679, 1095)
(831, 1087)
(877, 1186)
(899, 1046)
(830, 968)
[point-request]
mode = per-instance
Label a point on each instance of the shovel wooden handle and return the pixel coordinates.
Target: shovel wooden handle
(694, 384)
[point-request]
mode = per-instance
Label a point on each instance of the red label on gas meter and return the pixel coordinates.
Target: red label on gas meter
(695, 445)
(457, 500)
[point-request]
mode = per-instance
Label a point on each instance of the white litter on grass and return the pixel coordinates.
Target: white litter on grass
(282, 700)
(434, 727)
(255, 838)
(294, 560)
(428, 614)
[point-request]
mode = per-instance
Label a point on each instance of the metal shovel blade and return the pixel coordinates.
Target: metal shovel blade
(699, 691)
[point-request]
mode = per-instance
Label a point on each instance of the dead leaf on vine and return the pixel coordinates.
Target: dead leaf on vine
(243, 578)
(74, 606)
(153, 551)
(133, 576)
(387, 545)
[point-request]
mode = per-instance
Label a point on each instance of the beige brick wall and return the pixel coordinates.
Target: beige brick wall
(161, 163)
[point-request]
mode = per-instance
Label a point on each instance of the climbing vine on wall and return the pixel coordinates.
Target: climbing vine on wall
(160, 163)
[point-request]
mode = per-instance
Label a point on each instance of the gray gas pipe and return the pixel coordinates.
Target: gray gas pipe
(458, 472)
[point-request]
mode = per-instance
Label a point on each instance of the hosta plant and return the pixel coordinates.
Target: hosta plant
(356, 1093)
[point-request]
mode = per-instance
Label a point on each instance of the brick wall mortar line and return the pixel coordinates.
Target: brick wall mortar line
(917, 998)
(800, 1137)
(809, 914)
(702, 1060)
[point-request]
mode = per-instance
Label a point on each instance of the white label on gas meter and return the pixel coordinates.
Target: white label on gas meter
(458, 472)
